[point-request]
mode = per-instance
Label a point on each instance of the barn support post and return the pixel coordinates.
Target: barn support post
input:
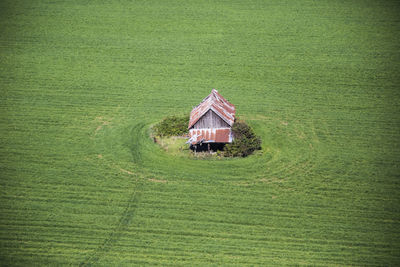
(209, 147)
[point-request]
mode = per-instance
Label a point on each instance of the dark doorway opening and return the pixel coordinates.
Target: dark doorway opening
(205, 147)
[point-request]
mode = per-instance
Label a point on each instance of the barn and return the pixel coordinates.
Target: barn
(210, 124)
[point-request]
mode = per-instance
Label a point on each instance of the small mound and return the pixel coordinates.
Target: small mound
(169, 133)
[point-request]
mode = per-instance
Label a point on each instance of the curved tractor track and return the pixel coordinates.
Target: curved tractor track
(275, 165)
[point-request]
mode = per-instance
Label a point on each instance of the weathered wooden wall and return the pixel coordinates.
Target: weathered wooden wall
(210, 120)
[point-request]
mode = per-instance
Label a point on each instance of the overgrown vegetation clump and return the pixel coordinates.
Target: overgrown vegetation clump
(245, 141)
(172, 126)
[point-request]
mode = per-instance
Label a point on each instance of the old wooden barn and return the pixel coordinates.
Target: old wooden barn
(210, 124)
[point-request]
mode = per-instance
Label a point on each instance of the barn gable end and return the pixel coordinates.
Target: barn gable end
(216, 103)
(210, 120)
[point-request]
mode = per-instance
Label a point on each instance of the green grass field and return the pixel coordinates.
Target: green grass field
(82, 183)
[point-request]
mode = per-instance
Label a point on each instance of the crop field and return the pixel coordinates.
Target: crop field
(82, 183)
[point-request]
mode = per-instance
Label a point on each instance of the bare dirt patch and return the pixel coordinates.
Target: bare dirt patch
(271, 180)
(101, 126)
(103, 122)
(241, 184)
(157, 180)
(126, 171)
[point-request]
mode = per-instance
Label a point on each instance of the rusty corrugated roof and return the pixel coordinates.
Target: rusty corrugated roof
(216, 103)
(205, 135)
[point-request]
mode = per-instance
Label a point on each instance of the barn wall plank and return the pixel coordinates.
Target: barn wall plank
(210, 120)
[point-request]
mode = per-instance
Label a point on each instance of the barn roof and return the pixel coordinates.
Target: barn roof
(216, 103)
(215, 135)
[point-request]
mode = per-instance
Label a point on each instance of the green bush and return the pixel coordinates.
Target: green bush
(245, 141)
(172, 126)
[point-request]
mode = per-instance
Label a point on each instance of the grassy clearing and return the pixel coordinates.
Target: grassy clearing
(82, 183)
(174, 145)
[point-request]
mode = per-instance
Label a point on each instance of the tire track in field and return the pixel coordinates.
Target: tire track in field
(129, 212)
(135, 142)
(122, 224)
